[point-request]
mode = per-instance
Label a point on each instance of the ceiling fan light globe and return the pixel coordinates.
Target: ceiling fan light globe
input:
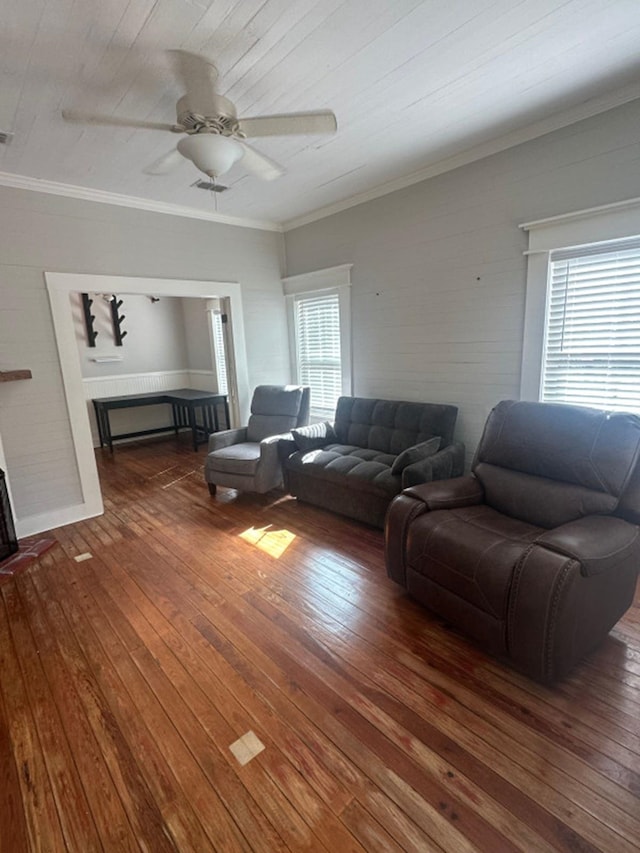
(212, 154)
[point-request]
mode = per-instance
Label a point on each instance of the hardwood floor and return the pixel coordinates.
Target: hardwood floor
(125, 678)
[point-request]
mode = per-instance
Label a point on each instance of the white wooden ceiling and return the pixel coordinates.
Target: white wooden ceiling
(412, 82)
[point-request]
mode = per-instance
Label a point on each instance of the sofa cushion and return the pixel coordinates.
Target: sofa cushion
(314, 436)
(362, 470)
(416, 454)
(236, 459)
(392, 426)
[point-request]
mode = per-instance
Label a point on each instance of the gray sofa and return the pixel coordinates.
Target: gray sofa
(373, 450)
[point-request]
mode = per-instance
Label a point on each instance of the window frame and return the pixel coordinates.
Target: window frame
(586, 229)
(333, 280)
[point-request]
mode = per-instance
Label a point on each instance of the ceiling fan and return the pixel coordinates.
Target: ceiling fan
(215, 138)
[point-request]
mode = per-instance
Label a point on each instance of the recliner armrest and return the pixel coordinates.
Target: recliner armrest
(218, 440)
(448, 494)
(274, 439)
(598, 542)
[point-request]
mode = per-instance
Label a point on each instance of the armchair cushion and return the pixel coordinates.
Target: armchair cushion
(470, 551)
(274, 409)
(416, 453)
(539, 500)
(239, 459)
(571, 444)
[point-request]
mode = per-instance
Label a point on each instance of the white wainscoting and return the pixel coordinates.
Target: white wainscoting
(131, 420)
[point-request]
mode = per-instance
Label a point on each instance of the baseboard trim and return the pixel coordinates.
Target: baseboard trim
(57, 518)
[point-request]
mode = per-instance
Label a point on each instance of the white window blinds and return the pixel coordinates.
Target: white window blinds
(592, 345)
(317, 320)
(219, 349)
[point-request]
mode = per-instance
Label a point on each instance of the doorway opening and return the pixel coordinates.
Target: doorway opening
(60, 286)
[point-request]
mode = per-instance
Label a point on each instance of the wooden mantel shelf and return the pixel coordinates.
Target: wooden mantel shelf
(12, 375)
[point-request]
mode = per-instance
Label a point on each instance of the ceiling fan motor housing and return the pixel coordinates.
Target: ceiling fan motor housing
(217, 116)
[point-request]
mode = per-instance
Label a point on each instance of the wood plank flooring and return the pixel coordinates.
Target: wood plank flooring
(126, 677)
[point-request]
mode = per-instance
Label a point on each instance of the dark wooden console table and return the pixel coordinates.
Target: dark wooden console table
(191, 409)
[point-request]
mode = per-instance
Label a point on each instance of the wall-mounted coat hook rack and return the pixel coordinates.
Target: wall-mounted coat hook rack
(117, 318)
(88, 319)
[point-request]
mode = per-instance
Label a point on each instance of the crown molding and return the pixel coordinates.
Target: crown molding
(23, 182)
(627, 204)
(587, 109)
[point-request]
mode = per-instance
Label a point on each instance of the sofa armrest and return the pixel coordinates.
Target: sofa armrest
(448, 494)
(218, 440)
(448, 462)
(598, 542)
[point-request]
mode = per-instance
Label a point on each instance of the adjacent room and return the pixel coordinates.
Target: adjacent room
(320, 425)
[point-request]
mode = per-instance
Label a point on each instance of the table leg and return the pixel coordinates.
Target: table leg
(192, 424)
(107, 430)
(98, 415)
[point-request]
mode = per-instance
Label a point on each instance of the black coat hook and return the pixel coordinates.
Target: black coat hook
(88, 319)
(117, 319)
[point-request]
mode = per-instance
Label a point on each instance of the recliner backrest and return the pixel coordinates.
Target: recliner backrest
(548, 464)
(276, 409)
(392, 426)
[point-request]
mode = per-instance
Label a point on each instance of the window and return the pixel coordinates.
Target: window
(318, 356)
(320, 333)
(582, 315)
(592, 343)
(219, 350)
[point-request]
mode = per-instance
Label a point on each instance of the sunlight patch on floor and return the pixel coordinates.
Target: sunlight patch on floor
(272, 542)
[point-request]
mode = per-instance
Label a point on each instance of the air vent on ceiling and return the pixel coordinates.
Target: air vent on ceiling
(5, 137)
(210, 185)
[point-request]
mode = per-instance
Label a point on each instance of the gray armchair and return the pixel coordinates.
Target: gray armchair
(247, 458)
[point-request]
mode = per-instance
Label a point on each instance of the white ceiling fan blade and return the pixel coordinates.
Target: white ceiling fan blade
(259, 164)
(113, 121)
(198, 77)
(320, 121)
(165, 164)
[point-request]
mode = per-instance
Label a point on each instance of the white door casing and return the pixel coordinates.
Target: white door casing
(59, 287)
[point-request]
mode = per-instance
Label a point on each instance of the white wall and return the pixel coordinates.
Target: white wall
(155, 339)
(196, 322)
(155, 342)
(41, 233)
(439, 277)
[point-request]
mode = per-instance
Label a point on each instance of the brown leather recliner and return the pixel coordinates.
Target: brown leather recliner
(535, 555)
